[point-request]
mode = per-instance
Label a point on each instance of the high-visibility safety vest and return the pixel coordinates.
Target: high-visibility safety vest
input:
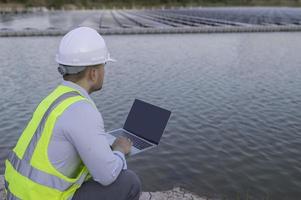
(29, 173)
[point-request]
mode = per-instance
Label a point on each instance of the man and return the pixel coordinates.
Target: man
(63, 152)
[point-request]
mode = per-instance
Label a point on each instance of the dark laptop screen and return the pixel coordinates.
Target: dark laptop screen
(147, 121)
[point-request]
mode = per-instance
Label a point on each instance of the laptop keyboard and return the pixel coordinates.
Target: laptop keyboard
(137, 142)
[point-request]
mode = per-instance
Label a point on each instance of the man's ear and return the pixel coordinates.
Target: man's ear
(92, 74)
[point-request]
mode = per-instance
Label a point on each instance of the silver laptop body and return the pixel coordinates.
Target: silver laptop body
(144, 125)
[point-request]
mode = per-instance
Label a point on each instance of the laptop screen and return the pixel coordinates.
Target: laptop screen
(147, 121)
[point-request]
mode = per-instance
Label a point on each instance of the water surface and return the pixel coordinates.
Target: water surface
(235, 129)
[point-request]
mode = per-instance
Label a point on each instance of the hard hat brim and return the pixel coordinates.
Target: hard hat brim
(111, 60)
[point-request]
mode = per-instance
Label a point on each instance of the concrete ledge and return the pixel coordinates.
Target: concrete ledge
(174, 194)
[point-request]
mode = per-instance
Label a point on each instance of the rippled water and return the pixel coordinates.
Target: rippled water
(235, 129)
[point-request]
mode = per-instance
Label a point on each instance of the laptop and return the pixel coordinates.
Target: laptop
(144, 126)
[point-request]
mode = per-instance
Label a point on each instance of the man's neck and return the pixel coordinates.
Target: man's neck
(84, 85)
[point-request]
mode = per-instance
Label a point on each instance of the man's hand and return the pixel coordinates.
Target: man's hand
(122, 144)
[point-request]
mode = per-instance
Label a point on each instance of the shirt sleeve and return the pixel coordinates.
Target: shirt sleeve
(85, 130)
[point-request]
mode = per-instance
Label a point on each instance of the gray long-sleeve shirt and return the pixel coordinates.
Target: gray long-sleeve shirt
(79, 135)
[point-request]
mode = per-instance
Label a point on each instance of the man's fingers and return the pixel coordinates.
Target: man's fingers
(130, 141)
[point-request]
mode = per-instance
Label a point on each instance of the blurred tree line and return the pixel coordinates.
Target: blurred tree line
(151, 3)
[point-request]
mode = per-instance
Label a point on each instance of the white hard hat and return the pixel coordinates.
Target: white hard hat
(82, 46)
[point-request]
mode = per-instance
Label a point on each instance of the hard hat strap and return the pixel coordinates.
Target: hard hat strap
(64, 69)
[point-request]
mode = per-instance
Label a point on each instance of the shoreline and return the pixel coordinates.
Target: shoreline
(173, 194)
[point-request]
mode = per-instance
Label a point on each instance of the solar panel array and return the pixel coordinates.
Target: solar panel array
(200, 17)
(192, 20)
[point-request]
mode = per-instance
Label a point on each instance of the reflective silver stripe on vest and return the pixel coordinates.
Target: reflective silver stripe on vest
(36, 175)
(23, 165)
(35, 138)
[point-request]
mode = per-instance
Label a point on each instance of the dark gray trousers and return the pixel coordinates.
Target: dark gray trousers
(126, 187)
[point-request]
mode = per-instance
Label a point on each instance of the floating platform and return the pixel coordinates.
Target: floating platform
(157, 31)
(167, 21)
